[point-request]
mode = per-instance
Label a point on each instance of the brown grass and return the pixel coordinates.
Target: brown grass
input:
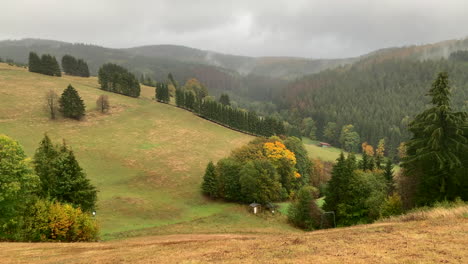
(439, 238)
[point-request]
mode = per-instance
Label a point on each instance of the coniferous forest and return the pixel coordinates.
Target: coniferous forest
(379, 98)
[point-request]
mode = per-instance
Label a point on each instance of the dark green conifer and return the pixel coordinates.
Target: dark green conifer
(436, 154)
(71, 104)
(210, 181)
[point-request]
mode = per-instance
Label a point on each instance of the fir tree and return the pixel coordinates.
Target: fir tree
(34, 63)
(72, 186)
(436, 154)
(210, 181)
(43, 162)
(61, 176)
(71, 104)
(388, 172)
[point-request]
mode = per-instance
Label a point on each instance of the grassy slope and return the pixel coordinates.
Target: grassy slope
(437, 237)
(147, 159)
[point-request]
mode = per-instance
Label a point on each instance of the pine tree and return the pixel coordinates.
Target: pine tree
(388, 172)
(34, 63)
(341, 175)
(71, 104)
(61, 176)
(436, 154)
(210, 181)
(43, 162)
(72, 186)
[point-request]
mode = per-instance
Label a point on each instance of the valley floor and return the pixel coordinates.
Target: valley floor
(439, 240)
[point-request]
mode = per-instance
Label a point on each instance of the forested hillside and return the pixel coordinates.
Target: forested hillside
(378, 97)
(244, 77)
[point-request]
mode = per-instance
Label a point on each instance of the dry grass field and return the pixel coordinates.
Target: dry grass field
(437, 237)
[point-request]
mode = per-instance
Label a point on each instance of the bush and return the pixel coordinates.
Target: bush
(304, 211)
(391, 206)
(49, 221)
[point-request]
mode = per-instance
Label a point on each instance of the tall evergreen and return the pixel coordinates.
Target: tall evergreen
(72, 186)
(50, 66)
(341, 175)
(71, 104)
(34, 62)
(210, 181)
(180, 97)
(61, 176)
(436, 154)
(162, 93)
(388, 173)
(44, 164)
(75, 67)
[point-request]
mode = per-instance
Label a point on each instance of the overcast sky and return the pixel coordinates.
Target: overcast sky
(305, 28)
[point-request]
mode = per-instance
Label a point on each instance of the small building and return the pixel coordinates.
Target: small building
(324, 145)
(255, 207)
(271, 207)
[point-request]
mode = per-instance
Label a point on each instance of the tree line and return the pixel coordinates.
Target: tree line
(75, 67)
(117, 79)
(46, 64)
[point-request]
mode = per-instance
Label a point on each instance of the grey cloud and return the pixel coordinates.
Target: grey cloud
(304, 28)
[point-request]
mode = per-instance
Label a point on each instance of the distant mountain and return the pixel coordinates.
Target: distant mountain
(380, 93)
(286, 68)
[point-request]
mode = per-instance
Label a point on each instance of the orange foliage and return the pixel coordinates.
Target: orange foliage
(277, 150)
(368, 149)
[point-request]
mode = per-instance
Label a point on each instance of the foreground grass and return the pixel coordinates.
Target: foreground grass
(147, 159)
(434, 239)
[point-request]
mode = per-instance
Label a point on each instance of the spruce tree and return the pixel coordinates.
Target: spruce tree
(210, 181)
(61, 176)
(71, 104)
(43, 162)
(388, 174)
(436, 154)
(72, 186)
(34, 62)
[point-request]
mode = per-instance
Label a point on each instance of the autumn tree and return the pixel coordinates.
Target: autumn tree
(102, 103)
(52, 104)
(380, 153)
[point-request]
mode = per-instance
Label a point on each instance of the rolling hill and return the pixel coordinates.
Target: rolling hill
(246, 77)
(147, 159)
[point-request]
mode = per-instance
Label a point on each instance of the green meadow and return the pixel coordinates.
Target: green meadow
(147, 159)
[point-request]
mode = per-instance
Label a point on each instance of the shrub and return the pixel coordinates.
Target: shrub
(49, 221)
(392, 206)
(304, 212)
